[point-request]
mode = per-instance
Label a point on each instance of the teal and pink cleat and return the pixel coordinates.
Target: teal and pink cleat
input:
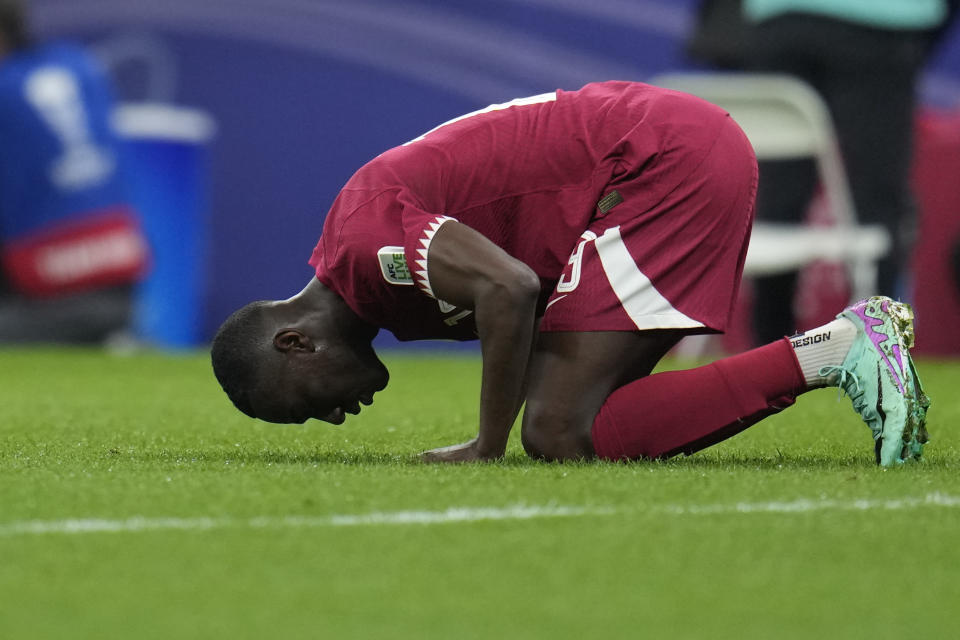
(879, 376)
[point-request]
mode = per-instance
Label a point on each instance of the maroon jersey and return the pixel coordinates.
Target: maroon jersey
(527, 174)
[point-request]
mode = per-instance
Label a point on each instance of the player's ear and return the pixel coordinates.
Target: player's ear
(292, 340)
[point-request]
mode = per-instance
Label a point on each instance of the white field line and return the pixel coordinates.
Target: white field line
(137, 524)
(806, 505)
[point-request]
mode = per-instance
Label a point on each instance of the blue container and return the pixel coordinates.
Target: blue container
(167, 150)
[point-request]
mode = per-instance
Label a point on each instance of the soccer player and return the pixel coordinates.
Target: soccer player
(579, 235)
(71, 246)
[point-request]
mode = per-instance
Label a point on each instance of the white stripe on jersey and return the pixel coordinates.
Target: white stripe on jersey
(640, 299)
(518, 102)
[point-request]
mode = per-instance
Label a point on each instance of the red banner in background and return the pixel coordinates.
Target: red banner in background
(936, 296)
(98, 250)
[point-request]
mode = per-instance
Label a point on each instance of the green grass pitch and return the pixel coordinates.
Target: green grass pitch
(135, 502)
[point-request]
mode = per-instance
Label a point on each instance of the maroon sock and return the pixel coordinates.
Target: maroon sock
(685, 411)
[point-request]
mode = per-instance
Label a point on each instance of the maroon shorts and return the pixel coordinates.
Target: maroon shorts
(670, 254)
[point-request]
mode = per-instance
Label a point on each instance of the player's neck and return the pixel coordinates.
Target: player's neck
(324, 309)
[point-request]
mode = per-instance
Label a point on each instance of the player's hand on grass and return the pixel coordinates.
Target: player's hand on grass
(464, 452)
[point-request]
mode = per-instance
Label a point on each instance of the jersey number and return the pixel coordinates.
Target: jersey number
(575, 261)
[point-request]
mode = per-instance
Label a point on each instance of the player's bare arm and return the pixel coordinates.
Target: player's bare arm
(468, 270)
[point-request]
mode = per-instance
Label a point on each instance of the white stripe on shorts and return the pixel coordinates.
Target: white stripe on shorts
(640, 299)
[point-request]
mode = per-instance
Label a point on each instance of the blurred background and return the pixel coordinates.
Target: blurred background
(279, 101)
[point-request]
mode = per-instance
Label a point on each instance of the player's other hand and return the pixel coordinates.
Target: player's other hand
(465, 452)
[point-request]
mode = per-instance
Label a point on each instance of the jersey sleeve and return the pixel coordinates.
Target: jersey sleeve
(419, 229)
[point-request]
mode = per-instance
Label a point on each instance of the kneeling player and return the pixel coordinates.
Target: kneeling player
(579, 235)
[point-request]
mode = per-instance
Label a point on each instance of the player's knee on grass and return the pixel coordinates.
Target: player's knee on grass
(553, 434)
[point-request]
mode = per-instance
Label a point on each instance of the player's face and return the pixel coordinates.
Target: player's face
(325, 385)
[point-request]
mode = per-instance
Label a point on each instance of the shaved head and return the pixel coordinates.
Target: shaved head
(239, 351)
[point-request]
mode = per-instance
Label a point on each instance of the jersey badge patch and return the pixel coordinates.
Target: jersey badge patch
(393, 265)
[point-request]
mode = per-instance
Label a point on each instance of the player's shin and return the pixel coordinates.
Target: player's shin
(685, 411)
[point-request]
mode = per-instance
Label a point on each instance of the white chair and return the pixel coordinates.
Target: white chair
(784, 118)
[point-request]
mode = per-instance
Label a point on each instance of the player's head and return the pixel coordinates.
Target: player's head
(13, 26)
(279, 364)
